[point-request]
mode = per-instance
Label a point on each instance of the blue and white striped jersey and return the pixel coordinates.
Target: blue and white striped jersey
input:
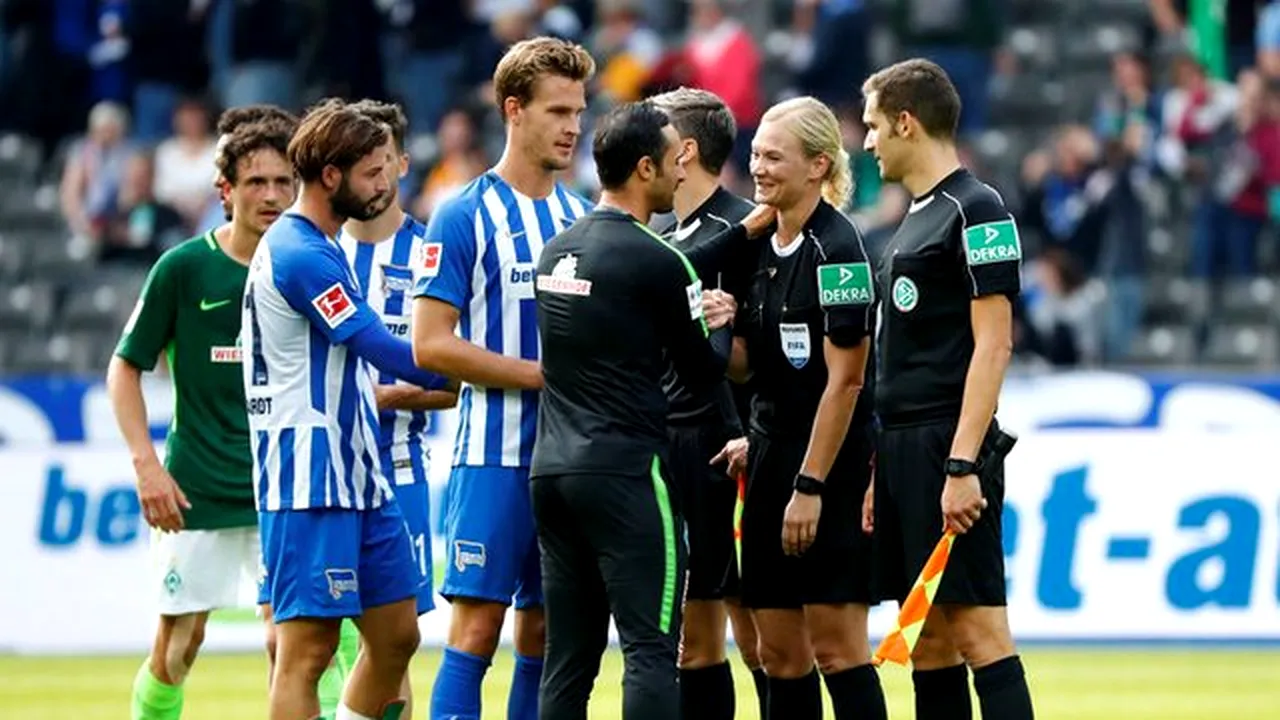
(313, 422)
(481, 251)
(384, 274)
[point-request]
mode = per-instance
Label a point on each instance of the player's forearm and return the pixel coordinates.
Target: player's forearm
(124, 388)
(451, 356)
(410, 397)
(835, 411)
(710, 256)
(981, 392)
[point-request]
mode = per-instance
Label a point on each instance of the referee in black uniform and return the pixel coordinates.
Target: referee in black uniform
(945, 337)
(804, 334)
(615, 304)
(700, 423)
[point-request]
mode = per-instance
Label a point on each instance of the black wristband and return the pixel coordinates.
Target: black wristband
(806, 485)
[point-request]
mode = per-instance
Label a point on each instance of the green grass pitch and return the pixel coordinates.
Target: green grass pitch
(1068, 684)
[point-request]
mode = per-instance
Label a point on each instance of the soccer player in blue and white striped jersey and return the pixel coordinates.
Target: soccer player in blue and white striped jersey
(474, 319)
(334, 541)
(381, 250)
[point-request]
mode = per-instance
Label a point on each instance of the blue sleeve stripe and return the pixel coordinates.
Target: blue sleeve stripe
(288, 479)
(318, 347)
(321, 468)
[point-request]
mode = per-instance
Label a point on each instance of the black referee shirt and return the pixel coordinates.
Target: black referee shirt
(615, 301)
(718, 214)
(958, 242)
(817, 288)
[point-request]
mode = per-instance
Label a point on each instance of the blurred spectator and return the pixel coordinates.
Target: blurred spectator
(1236, 207)
(344, 55)
(460, 161)
(1058, 311)
(1129, 111)
(962, 36)
(1268, 39)
(182, 163)
(141, 228)
(162, 36)
(830, 51)
(1224, 43)
(626, 48)
(1121, 261)
(722, 57)
(435, 62)
(43, 88)
(263, 64)
(109, 52)
(1063, 195)
(95, 167)
(1194, 111)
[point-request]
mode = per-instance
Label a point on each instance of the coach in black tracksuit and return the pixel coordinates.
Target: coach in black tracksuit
(615, 301)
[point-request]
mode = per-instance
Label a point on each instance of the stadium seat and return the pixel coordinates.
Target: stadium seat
(1251, 300)
(1035, 46)
(1165, 254)
(102, 305)
(1130, 12)
(1242, 346)
(60, 257)
(27, 307)
(1164, 345)
(42, 355)
(91, 351)
(13, 257)
(1091, 47)
(1172, 299)
(1038, 11)
(19, 159)
(1029, 99)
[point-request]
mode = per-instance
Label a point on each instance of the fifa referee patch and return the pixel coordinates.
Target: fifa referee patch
(845, 284)
(992, 242)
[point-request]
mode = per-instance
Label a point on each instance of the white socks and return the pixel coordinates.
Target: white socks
(346, 713)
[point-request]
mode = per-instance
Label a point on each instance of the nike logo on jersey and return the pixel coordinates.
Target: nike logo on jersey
(206, 305)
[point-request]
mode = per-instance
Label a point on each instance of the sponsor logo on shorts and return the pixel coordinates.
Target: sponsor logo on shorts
(467, 553)
(341, 581)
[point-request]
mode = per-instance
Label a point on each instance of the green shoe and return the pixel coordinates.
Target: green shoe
(393, 710)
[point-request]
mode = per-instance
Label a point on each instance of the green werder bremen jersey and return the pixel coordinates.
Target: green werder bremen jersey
(190, 311)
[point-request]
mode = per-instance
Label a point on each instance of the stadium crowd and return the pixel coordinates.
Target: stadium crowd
(1144, 175)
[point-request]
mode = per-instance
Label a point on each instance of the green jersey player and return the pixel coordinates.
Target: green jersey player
(200, 501)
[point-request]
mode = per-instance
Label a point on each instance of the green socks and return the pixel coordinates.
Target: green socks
(334, 678)
(154, 700)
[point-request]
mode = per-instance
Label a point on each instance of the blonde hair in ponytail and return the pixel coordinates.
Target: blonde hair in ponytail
(818, 130)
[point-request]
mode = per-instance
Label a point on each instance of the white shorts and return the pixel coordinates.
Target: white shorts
(202, 570)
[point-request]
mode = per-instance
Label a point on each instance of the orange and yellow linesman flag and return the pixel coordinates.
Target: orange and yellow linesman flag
(898, 644)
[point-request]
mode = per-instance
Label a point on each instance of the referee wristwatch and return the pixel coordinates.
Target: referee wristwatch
(806, 485)
(957, 467)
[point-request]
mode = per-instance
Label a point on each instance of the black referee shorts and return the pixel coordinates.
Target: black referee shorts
(611, 546)
(908, 519)
(707, 498)
(836, 569)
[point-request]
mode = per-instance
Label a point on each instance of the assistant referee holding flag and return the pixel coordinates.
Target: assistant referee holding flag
(945, 335)
(615, 301)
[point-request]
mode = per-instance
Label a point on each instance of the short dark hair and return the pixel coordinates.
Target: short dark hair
(702, 116)
(333, 133)
(623, 137)
(270, 134)
(234, 117)
(921, 88)
(388, 114)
